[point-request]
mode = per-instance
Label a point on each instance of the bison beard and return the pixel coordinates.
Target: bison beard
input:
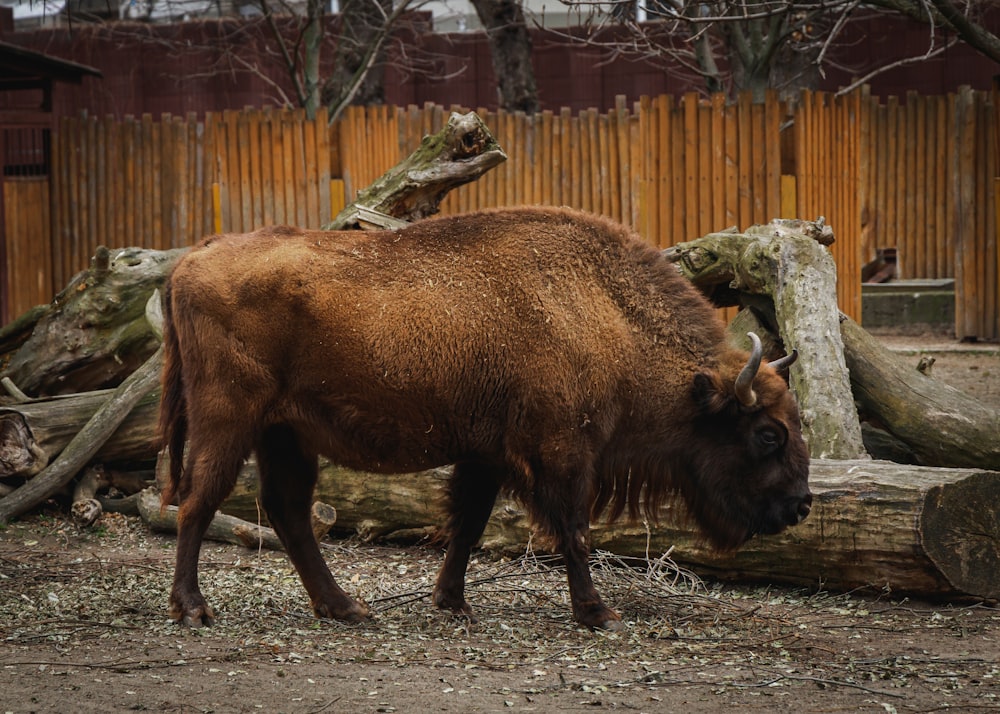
(546, 353)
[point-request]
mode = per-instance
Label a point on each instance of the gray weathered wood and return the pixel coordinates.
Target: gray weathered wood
(890, 527)
(786, 263)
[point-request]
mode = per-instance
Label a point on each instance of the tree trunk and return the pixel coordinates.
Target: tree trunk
(909, 529)
(785, 263)
(510, 49)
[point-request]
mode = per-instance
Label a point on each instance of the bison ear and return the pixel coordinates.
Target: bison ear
(709, 394)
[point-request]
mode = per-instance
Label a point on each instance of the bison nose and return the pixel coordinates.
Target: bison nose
(805, 506)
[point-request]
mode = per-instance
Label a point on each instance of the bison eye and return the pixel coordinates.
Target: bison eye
(768, 439)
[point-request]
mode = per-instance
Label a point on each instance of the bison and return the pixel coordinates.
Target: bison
(547, 353)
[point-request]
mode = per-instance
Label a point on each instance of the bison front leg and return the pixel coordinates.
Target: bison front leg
(472, 491)
(562, 507)
(287, 478)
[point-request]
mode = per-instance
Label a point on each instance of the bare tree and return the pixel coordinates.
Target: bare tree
(510, 47)
(754, 45)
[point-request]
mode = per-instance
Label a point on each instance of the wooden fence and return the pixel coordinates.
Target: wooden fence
(930, 176)
(166, 184)
(921, 178)
(674, 170)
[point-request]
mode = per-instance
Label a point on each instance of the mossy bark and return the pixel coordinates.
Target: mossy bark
(413, 189)
(784, 269)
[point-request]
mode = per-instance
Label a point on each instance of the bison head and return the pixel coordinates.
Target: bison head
(747, 464)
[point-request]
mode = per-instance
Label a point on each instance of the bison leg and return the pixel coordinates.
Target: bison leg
(565, 513)
(213, 474)
(287, 478)
(472, 492)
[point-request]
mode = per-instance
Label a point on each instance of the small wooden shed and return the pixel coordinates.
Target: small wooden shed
(27, 81)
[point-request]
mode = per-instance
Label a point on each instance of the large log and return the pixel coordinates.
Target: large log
(95, 332)
(890, 527)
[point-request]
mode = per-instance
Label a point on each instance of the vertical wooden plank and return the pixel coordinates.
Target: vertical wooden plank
(689, 106)
(155, 196)
(662, 188)
(166, 179)
(606, 186)
(703, 177)
(745, 160)
(56, 199)
(645, 157)
(299, 163)
(543, 169)
(717, 131)
(323, 161)
(966, 297)
(311, 171)
(585, 195)
(208, 165)
(562, 166)
(622, 154)
(288, 163)
(772, 154)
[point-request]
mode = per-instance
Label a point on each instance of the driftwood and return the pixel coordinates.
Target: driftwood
(908, 529)
(230, 529)
(413, 189)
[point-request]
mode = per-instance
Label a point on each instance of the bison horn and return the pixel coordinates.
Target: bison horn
(784, 362)
(744, 382)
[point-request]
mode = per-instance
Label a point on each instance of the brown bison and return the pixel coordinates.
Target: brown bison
(546, 353)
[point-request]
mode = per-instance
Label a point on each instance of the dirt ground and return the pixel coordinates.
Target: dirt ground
(83, 629)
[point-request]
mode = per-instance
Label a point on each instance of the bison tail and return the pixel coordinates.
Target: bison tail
(173, 407)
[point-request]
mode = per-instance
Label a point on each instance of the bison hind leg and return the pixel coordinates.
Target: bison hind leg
(288, 475)
(471, 493)
(213, 472)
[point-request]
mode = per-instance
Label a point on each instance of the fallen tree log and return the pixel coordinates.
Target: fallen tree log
(86, 443)
(34, 432)
(905, 529)
(941, 425)
(95, 332)
(230, 529)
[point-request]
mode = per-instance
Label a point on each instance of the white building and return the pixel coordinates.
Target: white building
(447, 15)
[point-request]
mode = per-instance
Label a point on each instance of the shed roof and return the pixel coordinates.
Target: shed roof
(19, 64)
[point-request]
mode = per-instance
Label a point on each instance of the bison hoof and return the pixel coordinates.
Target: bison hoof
(351, 613)
(600, 618)
(194, 615)
(613, 625)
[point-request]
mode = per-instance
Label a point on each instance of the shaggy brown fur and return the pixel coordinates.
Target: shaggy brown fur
(545, 352)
